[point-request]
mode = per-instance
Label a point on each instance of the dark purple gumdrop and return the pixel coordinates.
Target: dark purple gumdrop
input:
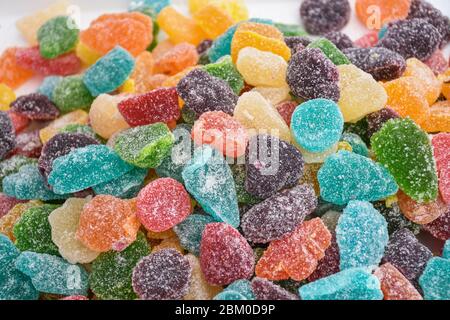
(383, 64)
(204, 46)
(280, 214)
(28, 144)
(340, 40)
(271, 165)
(267, 290)
(35, 106)
(415, 38)
(61, 145)
(311, 75)
(323, 16)
(376, 120)
(297, 43)
(7, 135)
(329, 265)
(164, 275)
(202, 93)
(407, 254)
(424, 10)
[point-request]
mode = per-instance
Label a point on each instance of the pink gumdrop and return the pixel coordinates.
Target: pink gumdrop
(440, 228)
(286, 109)
(437, 62)
(441, 145)
(368, 40)
(7, 203)
(19, 121)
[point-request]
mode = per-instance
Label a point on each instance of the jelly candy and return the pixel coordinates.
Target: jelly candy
(239, 175)
(421, 213)
(395, 218)
(376, 13)
(153, 5)
(274, 95)
(437, 63)
(64, 223)
(406, 152)
(439, 119)
(111, 274)
(329, 265)
(350, 284)
(273, 218)
(48, 85)
(312, 75)
(71, 94)
(75, 117)
(222, 45)
(12, 165)
(225, 256)
(145, 146)
(340, 40)
(297, 43)
(144, 66)
(28, 144)
(286, 110)
(330, 50)
(7, 96)
(394, 284)
(106, 107)
(87, 55)
(376, 120)
(199, 288)
(124, 187)
(431, 85)
(357, 144)
(290, 30)
(320, 17)
(8, 220)
(163, 275)
(441, 144)
(11, 74)
(57, 36)
(213, 20)
(225, 69)
(435, 279)
(361, 235)
(440, 228)
(35, 106)
(177, 59)
(267, 290)
(190, 231)
(446, 250)
(7, 135)
(210, 181)
(7, 203)
(240, 287)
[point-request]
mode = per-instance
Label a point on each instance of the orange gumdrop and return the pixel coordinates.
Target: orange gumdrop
(143, 71)
(439, 120)
(173, 80)
(213, 20)
(374, 14)
(10, 73)
(132, 31)
(394, 284)
(445, 89)
(162, 48)
(108, 223)
(297, 254)
(421, 213)
(430, 83)
(177, 59)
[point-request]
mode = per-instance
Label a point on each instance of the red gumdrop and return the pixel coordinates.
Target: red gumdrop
(286, 109)
(7, 203)
(437, 63)
(368, 40)
(163, 204)
(329, 265)
(160, 105)
(31, 59)
(441, 145)
(440, 228)
(225, 255)
(20, 122)
(28, 144)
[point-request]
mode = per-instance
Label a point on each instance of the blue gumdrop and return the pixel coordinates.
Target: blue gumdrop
(86, 167)
(317, 125)
(350, 284)
(435, 280)
(357, 144)
(154, 5)
(190, 231)
(208, 177)
(28, 184)
(48, 85)
(230, 295)
(124, 187)
(382, 32)
(109, 72)
(51, 274)
(362, 235)
(243, 287)
(446, 251)
(346, 176)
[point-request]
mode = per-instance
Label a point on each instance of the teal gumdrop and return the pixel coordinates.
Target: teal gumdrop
(435, 280)
(317, 125)
(48, 86)
(346, 176)
(190, 231)
(28, 184)
(225, 69)
(13, 165)
(362, 236)
(446, 251)
(86, 167)
(54, 275)
(154, 5)
(357, 144)
(244, 287)
(124, 187)
(350, 284)
(109, 72)
(209, 179)
(230, 295)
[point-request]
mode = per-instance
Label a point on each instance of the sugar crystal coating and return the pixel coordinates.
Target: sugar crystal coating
(267, 290)
(376, 120)
(7, 135)
(446, 250)
(226, 70)
(124, 187)
(105, 117)
(440, 228)
(71, 94)
(320, 17)
(357, 144)
(190, 231)
(435, 279)
(35, 106)
(394, 285)
(57, 36)
(330, 50)
(421, 213)
(395, 218)
(341, 40)
(329, 265)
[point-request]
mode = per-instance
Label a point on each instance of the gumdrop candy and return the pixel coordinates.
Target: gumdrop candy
(395, 218)
(357, 144)
(48, 85)
(430, 84)
(222, 45)
(266, 290)
(421, 213)
(253, 111)
(239, 175)
(311, 75)
(274, 95)
(71, 94)
(35, 106)
(160, 105)
(242, 287)
(209, 179)
(350, 284)
(435, 279)
(190, 231)
(297, 43)
(202, 93)
(124, 187)
(296, 254)
(446, 250)
(7, 135)
(330, 50)
(108, 223)
(19, 122)
(57, 36)
(437, 63)
(12, 165)
(7, 203)
(75, 117)
(111, 274)
(225, 255)
(87, 55)
(320, 17)
(7, 96)
(387, 11)
(340, 40)
(405, 150)
(213, 20)
(439, 119)
(163, 275)
(176, 59)
(169, 243)
(407, 254)
(440, 228)
(329, 265)
(441, 145)
(362, 236)
(394, 284)
(8, 220)
(273, 218)
(199, 288)
(11, 74)
(225, 69)
(286, 110)
(376, 120)
(28, 144)
(105, 117)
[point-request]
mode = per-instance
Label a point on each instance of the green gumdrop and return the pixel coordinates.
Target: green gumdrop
(111, 271)
(239, 175)
(224, 69)
(57, 36)
(83, 129)
(290, 30)
(33, 231)
(330, 50)
(405, 150)
(145, 146)
(13, 165)
(72, 94)
(189, 116)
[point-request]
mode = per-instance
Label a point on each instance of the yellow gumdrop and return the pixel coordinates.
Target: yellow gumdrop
(129, 86)
(445, 80)
(199, 288)
(237, 9)
(161, 235)
(75, 117)
(429, 82)
(169, 243)
(344, 145)
(213, 20)
(439, 118)
(275, 95)
(87, 55)
(391, 200)
(8, 221)
(7, 96)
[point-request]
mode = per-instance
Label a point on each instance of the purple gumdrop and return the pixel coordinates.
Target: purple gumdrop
(330, 264)
(7, 135)
(323, 16)
(340, 40)
(267, 290)
(376, 120)
(35, 106)
(297, 43)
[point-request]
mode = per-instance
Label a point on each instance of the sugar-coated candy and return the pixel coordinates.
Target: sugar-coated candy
(286, 109)
(271, 165)
(111, 274)
(347, 176)
(357, 144)
(202, 93)
(145, 146)
(421, 213)
(152, 5)
(163, 275)
(229, 295)
(405, 150)
(340, 40)
(297, 43)
(213, 20)
(178, 58)
(441, 144)
(242, 287)
(12, 165)
(160, 105)
(110, 72)
(240, 175)
(446, 250)
(28, 144)
(330, 50)
(437, 62)
(225, 69)
(320, 17)
(57, 36)
(7, 203)
(273, 218)
(439, 118)
(440, 228)
(274, 95)
(435, 279)
(75, 117)
(225, 255)
(394, 284)
(11, 74)
(199, 288)
(190, 231)
(7, 96)
(64, 223)
(71, 94)
(312, 75)
(8, 221)
(407, 254)
(105, 117)
(376, 13)
(296, 254)
(362, 236)
(124, 187)
(48, 85)
(35, 106)
(19, 122)
(376, 120)
(395, 218)
(266, 290)
(81, 129)
(7, 135)
(329, 265)
(431, 85)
